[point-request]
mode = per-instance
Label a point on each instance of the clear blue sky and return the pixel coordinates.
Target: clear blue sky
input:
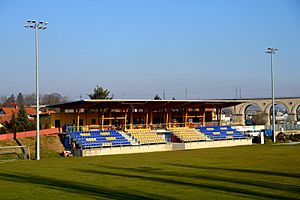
(139, 48)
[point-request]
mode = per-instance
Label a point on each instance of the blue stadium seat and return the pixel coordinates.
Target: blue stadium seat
(221, 132)
(94, 139)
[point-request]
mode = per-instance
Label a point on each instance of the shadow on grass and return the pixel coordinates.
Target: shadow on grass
(265, 184)
(156, 176)
(248, 171)
(96, 192)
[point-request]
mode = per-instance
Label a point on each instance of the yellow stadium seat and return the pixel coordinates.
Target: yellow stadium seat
(111, 138)
(106, 144)
(85, 134)
(90, 139)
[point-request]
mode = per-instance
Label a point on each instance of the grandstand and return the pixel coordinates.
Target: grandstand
(186, 134)
(221, 132)
(93, 139)
(145, 136)
(105, 127)
(107, 142)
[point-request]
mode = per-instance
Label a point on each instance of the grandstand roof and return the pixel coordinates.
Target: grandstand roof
(152, 104)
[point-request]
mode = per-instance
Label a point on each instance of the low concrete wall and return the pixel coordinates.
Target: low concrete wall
(160, 147)
(125, 150)
(10, 136)
(219, 143)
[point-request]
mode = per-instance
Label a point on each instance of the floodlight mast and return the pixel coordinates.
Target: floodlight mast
(272, 51)
(37, 26)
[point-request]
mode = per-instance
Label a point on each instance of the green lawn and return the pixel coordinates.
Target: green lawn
(246, 172)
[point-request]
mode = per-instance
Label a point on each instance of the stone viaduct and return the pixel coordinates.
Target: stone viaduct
(265, 105)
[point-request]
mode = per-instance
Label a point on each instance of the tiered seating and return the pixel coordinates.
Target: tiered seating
(145, 136)
(221, 132)
(186, 134)
(105, 138)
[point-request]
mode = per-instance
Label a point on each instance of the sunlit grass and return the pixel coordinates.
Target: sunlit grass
(245, 172)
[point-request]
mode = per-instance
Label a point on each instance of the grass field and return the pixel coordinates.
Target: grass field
(245, 172)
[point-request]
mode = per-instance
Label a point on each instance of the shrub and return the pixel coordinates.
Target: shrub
(268, 139)
(294, 137)
(2, 130)
(281, 137)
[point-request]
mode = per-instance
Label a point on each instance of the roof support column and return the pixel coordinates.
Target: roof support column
(170, 118)
(110, 118)
(125, 121)
(186, 117)
(151, 118)
(87, 128)
(78, 117)
(102, 120)
(167, 119)
(219, 111)
(203, 120)
(131, 119)
(147, 118)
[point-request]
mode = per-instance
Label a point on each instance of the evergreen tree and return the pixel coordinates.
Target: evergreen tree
(13, 123)
(157, 97)
(12, 98)
(20, 99)
(22, 120)
(10, 102)
(100, 93)
(2, 130)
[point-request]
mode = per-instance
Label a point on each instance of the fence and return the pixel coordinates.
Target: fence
(11, 136)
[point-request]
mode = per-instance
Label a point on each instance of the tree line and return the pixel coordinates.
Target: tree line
(20, 122)
(30, 99)
(53, 98)
(101, 93)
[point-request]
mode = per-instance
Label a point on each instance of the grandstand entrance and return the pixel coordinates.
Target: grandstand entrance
(57, 123)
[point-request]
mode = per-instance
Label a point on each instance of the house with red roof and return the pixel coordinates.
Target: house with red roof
(6, 113)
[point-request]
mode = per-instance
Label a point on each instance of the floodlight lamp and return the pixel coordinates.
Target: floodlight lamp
(45, 23)
(33, 21)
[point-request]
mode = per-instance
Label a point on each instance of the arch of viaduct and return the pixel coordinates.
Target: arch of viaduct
(265, 105)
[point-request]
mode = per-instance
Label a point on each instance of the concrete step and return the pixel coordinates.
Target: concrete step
(130, 139)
